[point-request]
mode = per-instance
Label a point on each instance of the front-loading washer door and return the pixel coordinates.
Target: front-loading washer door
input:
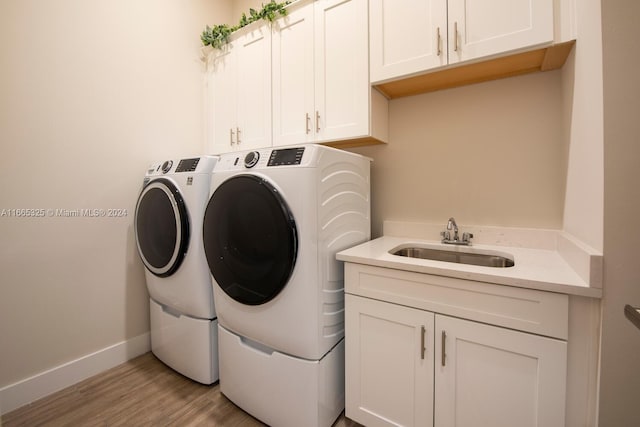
(162, 227)
(250, 239)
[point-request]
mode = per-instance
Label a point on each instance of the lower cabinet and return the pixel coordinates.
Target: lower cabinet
(412, 367)
(388, 363)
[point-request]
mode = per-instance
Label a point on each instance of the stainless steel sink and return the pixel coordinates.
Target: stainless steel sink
(485, 259)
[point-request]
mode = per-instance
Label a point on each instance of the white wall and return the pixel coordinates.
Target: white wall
(582, 87)
(240, 6)
(488, 154)
(92, 92)
(620, 353)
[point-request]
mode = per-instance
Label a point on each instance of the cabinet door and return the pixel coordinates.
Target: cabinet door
(497, 377)
(406, 36)
(488, 27)
(221, 102)
(389, 377)
(253, 53)
(342, 88)
(293, 99)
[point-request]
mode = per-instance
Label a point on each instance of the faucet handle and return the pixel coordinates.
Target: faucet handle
(466, 237)
(445, 235)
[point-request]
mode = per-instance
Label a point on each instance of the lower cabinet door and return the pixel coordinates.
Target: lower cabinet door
(491, 376)
(388, 363)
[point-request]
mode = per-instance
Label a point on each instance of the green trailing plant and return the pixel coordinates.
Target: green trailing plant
(218, 35)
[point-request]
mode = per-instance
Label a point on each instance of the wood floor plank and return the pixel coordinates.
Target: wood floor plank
(140, 392)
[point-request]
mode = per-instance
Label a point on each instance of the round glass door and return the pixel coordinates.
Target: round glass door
(161, 227)
(250, 239)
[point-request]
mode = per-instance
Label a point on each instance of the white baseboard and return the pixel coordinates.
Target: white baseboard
(43, 384)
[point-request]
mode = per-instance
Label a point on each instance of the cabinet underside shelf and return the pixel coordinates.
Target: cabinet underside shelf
(356, 142)
(545, 59)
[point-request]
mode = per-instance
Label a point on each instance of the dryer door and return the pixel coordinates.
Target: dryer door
(162, 227)
(250, 239)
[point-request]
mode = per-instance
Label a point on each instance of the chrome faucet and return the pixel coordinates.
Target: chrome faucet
(451, 224)
(446, 235)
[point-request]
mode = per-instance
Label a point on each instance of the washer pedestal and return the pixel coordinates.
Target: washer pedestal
(186, 344)
(279, 389)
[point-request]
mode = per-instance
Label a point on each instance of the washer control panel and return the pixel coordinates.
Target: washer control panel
(265, 158)
(286, 157)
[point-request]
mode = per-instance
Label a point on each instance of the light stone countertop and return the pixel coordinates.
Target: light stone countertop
(540, 269)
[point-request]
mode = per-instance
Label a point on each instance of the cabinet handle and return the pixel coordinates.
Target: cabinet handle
(231, 133)
(422, 347)
(455, 36)
(238, 135)
(439, 41)
(317, 121)
(307, 120)
(443, 356)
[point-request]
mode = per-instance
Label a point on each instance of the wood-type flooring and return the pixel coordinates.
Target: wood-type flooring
(140, 392)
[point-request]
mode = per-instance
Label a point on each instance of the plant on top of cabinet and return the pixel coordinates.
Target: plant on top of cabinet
(218, 35)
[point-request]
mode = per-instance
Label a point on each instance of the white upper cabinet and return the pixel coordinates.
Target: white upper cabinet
(489, 27)
(293, 78)
(406, 36)
(304, 78)
(412, 36)
(221, 100)
(239, 92)
(321, 90)
(341, 69)
(254, 88)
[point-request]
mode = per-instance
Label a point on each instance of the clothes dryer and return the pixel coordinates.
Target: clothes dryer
(272, 227)
(168, 224)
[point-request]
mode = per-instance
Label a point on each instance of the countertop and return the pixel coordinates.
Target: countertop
(538, 269)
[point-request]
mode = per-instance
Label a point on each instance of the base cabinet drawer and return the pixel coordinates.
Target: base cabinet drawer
(412, 367)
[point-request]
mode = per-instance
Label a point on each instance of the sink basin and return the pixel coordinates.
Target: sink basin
(457, 255)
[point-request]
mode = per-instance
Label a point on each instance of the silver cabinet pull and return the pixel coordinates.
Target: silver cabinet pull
(317, 121)
(422, 347)
(455, 36)
(231, 133)
(439, 41)
(443, 356)
(307, 120)
(238, 135)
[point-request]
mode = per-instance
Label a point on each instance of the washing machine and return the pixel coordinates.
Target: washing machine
(168, 228)
(272, 227)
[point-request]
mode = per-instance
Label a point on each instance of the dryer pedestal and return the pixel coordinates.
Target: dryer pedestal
(279, 389)
(186, 344)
